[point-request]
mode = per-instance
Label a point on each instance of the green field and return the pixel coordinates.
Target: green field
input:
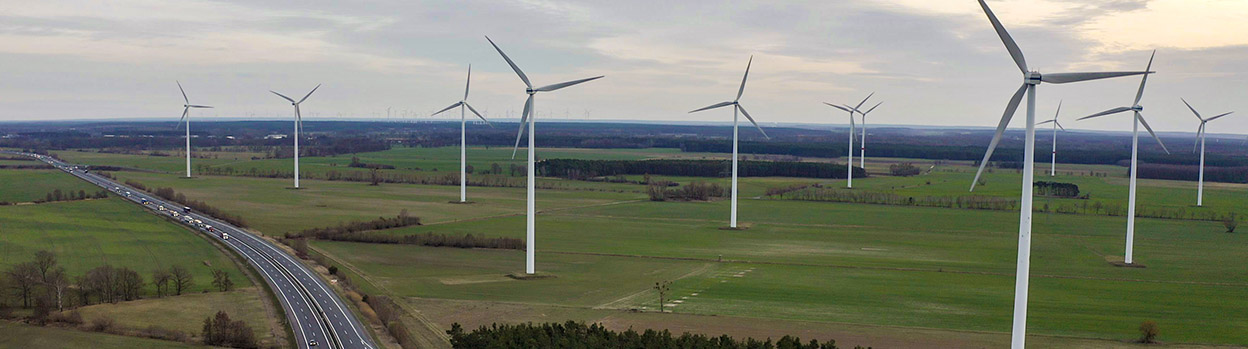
(31, 185)
(808, 262)
(187, 312)
(19, 336)
(92, 233)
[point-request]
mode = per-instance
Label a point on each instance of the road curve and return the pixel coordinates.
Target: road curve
(315, 313)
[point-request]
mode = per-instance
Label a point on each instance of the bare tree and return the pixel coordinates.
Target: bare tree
(221, 280)
(160, 279)
(102, 281)
(23, 278)
(129, 283)
(44, 262)
(181, 278)
(57, 283)
(662, 287)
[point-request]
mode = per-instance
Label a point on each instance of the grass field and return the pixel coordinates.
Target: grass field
(187, 312)
(31, 185)
(18, 336)
(809, 262)
(92, 233)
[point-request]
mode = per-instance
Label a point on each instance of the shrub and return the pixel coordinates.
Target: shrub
(904, 169)
(101, 324)
(1230, 221)
(1148, 332)
(579, 335)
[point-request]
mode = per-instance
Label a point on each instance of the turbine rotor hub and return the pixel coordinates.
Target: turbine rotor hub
(1032, 78)
(1138, 107)
(530, 91)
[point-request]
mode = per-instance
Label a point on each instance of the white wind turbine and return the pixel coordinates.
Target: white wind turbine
(849, 164)
(1200, 135)
(1030, 80)
(530, 120)
(186, 119)
(298, 126)
(736, 106)
(1135, 144)
(463, 143)
(862, 142)
(1056, 125)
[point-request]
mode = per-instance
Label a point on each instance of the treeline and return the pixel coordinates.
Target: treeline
(43, 284)
(70, 195)
(450, 178)
(219, 330)
(355, 162)
(1192, 173)
(368, 232)
(694, 191)
(26, 167)
(202, 207)
(1067, 190)
(977, 202)
(573, 334)
(1093, 154)
(402, 220)
(582, 169)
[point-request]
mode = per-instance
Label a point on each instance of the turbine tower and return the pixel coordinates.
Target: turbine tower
(736, 106)
(1056, 125)
(862, 152)
(1135, 145)
(298, 126)
(530, 120)
(463, 142)
(849, 164)
(1200, 136)
(186, 119)
(1030, 80)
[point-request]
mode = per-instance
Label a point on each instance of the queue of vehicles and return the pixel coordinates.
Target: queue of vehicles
(175, 214)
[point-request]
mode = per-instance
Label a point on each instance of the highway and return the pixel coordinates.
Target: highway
(315, 313)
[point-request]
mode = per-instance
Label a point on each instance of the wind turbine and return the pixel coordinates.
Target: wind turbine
(186, 118)
(862, 152)
(1135, 144)
(849, 164)
(1200, 135)
(298, 126)
(1030, 80)
(463, 143)
(736, 106)
(1056, 125)
(525, 118)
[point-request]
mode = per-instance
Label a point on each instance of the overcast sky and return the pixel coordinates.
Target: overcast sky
(931, 62)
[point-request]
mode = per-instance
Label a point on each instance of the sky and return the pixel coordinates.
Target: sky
(932, 62)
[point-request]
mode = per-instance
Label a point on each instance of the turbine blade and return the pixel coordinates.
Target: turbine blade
(185, 110)
(199, 106)
(836, 106)
(1189, 106)
(713, 106)
(512, 64)
(474, 112)
(864, 101)
(282, 95)
(467, 82)
(747, 75)
(1107, 112)
(748, 117)
(305, 97)
(1150, 131)
(447, 108)
(1010, 45)
(188, 100)
(1044, 122)
(1199, 132)
(1219, 115)
(1062, 78)
(1005, 122)
(549, 88)
(1059, 110)
(1059, 125)
(864, 114)
(1140, 94)
(524, 119)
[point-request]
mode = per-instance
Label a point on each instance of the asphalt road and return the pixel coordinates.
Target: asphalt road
(315, 313)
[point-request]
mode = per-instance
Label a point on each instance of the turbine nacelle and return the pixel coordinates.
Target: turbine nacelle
(1032, 78)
